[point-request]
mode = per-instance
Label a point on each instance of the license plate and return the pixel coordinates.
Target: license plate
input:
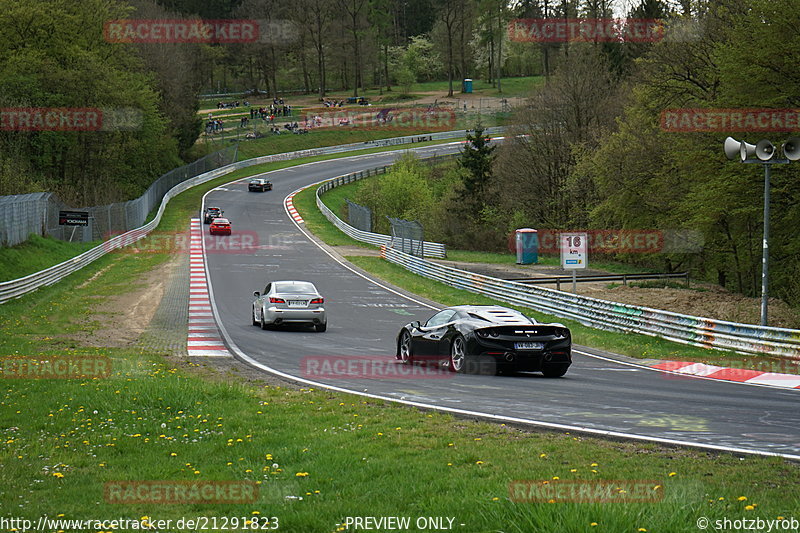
(297, 303)
(528, 345)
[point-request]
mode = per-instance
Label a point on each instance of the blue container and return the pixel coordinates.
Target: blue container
(527, 246)
(467, 85)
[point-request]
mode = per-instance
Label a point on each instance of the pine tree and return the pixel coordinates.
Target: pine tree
(477, 159)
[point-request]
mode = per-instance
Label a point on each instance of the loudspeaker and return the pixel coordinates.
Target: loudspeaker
(732, 148)
(746, 150)
(765, 150)
(791, 149)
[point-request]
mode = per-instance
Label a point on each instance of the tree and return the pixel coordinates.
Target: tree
(477, 158)
(355, 11)
(449, 19)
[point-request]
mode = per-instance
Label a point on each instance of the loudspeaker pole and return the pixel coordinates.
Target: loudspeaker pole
(765, 153)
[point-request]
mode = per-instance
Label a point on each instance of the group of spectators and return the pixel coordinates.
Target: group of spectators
(291, 127)
(214, 126)
(269, 113)
(227, 105)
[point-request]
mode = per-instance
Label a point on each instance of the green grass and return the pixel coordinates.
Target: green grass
(157, 419)
(37, 253)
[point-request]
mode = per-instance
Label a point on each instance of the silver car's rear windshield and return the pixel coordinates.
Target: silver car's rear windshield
(295, 288)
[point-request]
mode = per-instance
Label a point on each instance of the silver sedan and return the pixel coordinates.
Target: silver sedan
(289, 302)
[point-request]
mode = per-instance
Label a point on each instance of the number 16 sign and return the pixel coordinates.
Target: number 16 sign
(573, 250)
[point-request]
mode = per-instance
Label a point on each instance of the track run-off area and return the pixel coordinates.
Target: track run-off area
(602, 394)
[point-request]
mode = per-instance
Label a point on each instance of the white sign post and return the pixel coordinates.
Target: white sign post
(574, 253)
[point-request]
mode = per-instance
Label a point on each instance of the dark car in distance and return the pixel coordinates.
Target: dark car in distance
(487, 339)
(210, 213)
(259, 184)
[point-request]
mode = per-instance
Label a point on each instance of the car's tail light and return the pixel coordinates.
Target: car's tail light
(276, 300)
(318, 300)
(487, 333)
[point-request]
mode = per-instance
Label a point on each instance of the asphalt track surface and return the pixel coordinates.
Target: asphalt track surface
(598, 394)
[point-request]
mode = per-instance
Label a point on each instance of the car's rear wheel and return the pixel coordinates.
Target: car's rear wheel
(321, 327)
(458, 355)
(406, 356)
(255, 320)
(554, 371)
(264, 325)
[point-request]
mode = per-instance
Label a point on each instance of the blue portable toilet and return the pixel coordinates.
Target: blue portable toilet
(527, 246)
(467, 85)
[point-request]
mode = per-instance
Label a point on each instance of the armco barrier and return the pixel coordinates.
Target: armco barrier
(430, 249)
(21, 286)
(602, 314)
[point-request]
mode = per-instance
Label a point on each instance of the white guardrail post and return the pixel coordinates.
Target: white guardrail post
(21, 286)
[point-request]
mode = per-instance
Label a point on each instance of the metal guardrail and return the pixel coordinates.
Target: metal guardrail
(602, 314)
(429, 249)
(624, 278)
(21, 286)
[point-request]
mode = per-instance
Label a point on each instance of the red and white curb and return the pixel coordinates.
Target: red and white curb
(204, 339)
(290, 208)
(741, 375)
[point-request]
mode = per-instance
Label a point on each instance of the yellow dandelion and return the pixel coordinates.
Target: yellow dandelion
(742, 498)
(672, 474)
(748, 507)
(301, 474)
(593, 524)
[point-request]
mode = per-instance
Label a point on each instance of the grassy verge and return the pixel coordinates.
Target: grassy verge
(37, 253)
(156, 419)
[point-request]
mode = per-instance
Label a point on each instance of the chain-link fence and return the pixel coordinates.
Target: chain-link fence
(407, 236)
(24, 214)
(359, 216)
(21, 215)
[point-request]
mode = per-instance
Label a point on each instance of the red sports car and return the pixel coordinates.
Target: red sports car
(220, 226)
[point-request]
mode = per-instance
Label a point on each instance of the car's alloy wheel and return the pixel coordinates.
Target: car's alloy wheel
(406, 356)
(264, 325)
(255, 319)
(458, 355)
(321, 327)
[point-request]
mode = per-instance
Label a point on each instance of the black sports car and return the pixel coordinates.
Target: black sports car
(259, 184)
(210, 213)
(487, 338)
